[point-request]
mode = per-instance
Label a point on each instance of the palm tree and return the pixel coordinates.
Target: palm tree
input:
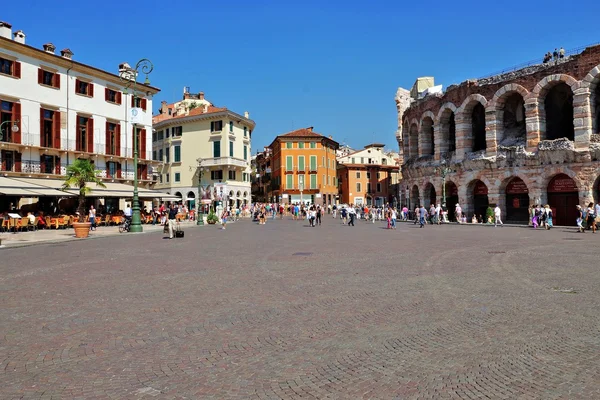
(78, 175)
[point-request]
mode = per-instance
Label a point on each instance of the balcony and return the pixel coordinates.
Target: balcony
(223, 161)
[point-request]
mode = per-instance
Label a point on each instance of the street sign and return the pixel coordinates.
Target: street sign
(136, 115)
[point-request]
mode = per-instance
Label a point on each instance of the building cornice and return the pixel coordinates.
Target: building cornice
(60, 61)
(208, 116)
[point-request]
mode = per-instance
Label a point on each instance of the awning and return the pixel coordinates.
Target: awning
(19, 187)
(52, 187)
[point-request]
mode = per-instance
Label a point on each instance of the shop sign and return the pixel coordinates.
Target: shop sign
(516, 186)
(562, 184)
(451, 189)
(480, 189)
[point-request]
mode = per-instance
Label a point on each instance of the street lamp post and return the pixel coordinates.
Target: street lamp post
(199, 206)
(14, 128)
(443, 171)
(129, 77)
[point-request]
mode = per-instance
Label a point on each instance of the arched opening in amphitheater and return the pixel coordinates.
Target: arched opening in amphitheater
(427, 137)
(448, 130)
(478, 127)
(558, 108)
(511, 120)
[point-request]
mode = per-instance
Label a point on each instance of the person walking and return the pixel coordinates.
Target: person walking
(319, 215)
(92, 214)
(591, 217)
(438, 213)
(172, 215)
(422, 214)
(334, 209)
(497, 214)
(352, 213)
(394, 217)
(579, 220)
(549, 223)
(344, 215)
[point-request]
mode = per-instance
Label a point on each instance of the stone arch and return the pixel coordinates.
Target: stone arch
(405, 139)
(514, 197)
(414, 197)
(427, 134)
(429, 194)
(554, 98)
(413, 140)
(472, 124)
(476, 198)
(563, 195)
(590, 86)
(508, 107)
(447, 127)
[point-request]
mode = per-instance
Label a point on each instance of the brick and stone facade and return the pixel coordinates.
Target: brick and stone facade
(521, 138)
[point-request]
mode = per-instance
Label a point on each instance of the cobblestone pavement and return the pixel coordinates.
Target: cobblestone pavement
(284, 311)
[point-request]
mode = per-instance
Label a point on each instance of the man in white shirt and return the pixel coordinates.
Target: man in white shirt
(352, 214)
(438, 213)
(497, 214)
(128, 212)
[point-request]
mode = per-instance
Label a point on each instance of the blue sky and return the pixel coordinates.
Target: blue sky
(334, 65)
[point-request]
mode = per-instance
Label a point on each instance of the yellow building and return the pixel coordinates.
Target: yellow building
(304, 167)
(194, 139)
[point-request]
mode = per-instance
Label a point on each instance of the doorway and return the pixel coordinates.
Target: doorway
(517, 202)
(563, 198)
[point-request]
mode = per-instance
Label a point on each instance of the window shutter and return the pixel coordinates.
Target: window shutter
(106, 91)
(57, 80)
(144, 104)
(119, 97)
(118, 141)
(17, 117)
(118, 170)
(17, 70)
(57, 165)
(56, 124)
(40, 76)
(143, 144)
(107, 139)
(212, 126)
(132, 101)
(91, 86)
(77, 85)
(90, 135)
(17, 162)
(42, 136)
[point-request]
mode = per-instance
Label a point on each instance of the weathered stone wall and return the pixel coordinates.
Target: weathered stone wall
(533, 159)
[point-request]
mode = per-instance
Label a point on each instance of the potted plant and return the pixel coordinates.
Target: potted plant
(489, 215)
(79, 174)
(212, 218)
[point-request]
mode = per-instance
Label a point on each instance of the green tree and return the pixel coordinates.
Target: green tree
(79, 174)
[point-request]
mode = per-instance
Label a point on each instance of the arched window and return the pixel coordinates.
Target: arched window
(427, 139)
(478, 127)
(414, 141)
(512, 131)
(448, 130)
(559, 112)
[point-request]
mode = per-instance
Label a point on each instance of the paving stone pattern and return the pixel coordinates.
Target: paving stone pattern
(448, 312)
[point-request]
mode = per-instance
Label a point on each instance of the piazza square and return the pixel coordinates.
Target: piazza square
(285, 311)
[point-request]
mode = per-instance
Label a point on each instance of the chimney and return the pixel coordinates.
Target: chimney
(201, 95)
(5, 30)
(246, 114)
(19, 37)
(66, 53)
(163, 107)
(310, 128)
(49, 48)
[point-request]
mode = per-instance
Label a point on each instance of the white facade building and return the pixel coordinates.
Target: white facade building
(67, 110)
(195, 140)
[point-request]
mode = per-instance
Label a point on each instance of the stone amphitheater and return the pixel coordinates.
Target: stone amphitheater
(530, 136)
